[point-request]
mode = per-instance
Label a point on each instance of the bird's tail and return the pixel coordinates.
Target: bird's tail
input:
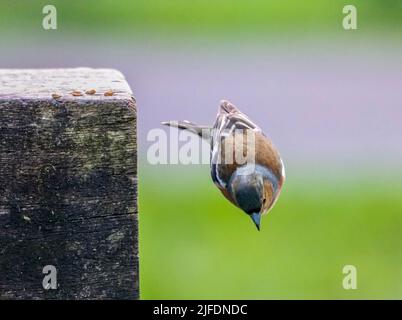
(202, 131)
(227, 107)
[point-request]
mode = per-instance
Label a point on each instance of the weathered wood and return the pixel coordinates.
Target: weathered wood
(68, 184)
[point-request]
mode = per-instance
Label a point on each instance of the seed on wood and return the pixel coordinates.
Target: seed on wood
(56, 96)
(109, 93)
(26, 218)
(76, 93)
(90, 92)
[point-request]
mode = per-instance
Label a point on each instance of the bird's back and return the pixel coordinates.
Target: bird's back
(237, 141)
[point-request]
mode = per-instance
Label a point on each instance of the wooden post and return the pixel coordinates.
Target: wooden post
(68, 185)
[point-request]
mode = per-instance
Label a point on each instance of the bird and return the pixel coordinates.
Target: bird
(252, 183)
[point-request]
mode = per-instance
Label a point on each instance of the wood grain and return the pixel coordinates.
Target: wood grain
(68, 185)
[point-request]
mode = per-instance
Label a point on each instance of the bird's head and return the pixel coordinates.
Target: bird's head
(254, 190)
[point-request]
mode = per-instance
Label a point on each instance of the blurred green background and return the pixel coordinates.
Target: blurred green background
(330, 99)
(199, 17)
(195, 244)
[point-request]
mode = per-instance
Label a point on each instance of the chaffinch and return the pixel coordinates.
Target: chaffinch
(253, 182)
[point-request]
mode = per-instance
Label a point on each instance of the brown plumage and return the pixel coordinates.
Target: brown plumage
(245, 165)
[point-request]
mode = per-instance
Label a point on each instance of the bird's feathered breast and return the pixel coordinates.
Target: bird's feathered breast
(236, 151)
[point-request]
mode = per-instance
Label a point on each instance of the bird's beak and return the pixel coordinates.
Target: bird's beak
(256, 217)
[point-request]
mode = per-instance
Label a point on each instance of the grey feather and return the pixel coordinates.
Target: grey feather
(202, 131)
